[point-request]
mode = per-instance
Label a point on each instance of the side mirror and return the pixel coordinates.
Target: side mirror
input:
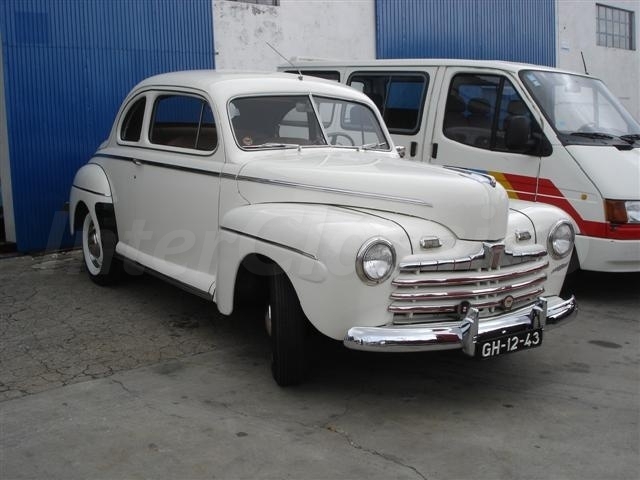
(402, 150)
(518, 132)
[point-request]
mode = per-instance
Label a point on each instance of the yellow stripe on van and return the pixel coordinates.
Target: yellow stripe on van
(500, 177)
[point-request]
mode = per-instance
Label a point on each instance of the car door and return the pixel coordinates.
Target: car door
(123, 168)
(401, 96)
(483, 122)
(179, 188)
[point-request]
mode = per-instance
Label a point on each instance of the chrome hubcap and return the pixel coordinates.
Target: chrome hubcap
(93, 245)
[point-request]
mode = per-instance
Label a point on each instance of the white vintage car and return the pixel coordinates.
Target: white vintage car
(243, 187)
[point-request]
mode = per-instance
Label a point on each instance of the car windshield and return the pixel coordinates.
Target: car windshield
(579, 105)
(297, 121)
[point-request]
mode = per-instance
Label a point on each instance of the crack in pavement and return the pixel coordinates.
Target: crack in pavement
(390, 458)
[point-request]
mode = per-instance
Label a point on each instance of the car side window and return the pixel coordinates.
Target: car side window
(399, 97)
(486, 111)
(183, 121)
(131, 127)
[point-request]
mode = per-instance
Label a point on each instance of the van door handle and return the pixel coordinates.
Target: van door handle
(413, 148)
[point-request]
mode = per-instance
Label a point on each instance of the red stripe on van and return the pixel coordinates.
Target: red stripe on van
(524, 189)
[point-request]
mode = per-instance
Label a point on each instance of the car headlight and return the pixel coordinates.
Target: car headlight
(622, 211)
(561, 238)
(375, 260)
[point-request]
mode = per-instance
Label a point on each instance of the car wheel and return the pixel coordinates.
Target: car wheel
(289, 331)
(98, 250)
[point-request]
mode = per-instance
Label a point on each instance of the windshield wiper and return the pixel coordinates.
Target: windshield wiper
(373, 146)
(594, 135)
(273, 145)
(631, 138)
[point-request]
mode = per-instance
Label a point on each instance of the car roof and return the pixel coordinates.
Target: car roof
(234, 83)
(515, 67)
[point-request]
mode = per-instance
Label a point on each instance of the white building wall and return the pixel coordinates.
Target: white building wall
(618, 68)
(331, 29)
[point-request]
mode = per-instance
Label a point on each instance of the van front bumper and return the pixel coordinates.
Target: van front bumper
(464, 334)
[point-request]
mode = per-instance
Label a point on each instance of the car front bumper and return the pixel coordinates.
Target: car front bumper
(463, 334)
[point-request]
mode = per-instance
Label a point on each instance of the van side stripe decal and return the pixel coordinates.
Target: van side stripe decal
(522, 187)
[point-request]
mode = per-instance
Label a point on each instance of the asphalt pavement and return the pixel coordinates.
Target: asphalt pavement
(143, 380)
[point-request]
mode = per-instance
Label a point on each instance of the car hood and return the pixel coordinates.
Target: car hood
(471, 207)
(615, 173)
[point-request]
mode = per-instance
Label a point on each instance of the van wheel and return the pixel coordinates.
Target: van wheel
(289, 332)
(98, 250)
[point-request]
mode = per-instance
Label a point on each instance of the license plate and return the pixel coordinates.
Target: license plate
(513, 342)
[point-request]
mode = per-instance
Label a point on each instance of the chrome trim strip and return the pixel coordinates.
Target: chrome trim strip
(317, 188)
(431, 265)
(91, 191)
(271, 242)
(417, 308)
(467, 279)
(469, 293)
(140, 161)
(485, 177)
(462, 334)
(477, 260)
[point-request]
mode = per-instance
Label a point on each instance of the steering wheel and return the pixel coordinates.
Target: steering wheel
(333, 139)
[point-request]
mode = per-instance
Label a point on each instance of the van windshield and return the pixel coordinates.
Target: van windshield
(580, 107)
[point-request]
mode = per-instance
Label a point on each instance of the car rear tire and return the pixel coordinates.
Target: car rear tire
(289, 330)
(98, 251)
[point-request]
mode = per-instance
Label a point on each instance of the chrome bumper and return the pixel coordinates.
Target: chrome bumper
(463, 334)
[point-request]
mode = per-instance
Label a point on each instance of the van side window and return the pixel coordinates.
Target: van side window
(132, 124)
(486, 111)
(183, 121)
(399, 97)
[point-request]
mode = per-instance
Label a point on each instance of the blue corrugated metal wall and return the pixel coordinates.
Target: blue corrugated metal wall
(516, 30)
(67, 65)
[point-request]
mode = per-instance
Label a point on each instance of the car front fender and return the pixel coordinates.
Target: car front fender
(316, 247)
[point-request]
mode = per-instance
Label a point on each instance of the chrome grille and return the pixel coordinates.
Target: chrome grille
(494, 280)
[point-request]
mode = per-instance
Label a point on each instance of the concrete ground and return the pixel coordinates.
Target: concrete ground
(143, 380)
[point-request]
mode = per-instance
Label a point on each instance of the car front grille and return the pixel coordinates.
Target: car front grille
(493, 280)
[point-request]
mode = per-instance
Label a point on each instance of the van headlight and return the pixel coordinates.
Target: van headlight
(375, 260)
(561, 238)
(622, 211)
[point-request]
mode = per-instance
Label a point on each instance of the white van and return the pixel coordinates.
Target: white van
(547, 135)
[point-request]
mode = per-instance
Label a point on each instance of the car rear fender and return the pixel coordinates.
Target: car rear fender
(90, 187)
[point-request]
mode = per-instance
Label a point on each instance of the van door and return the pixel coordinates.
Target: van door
(483, 122)
(400, 95)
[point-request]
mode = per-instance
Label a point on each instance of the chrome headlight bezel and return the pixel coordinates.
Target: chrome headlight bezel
(564, 228)
(368, 248)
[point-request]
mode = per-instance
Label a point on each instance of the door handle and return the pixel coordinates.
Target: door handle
(137, 162)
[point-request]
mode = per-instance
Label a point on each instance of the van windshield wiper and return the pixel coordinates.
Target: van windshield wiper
(631, 138)
(594, 135)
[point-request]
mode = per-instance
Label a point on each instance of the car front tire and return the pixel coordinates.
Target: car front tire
(289, 332)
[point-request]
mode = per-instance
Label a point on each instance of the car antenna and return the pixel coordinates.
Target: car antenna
(584, 63)
(286, 60)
